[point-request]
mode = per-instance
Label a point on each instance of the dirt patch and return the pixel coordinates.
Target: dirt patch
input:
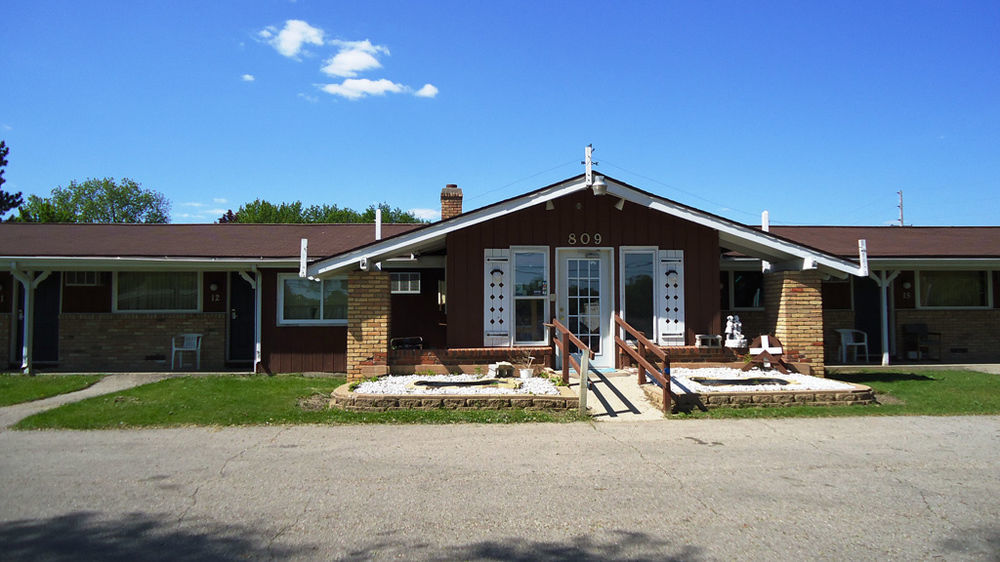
(315, 403)
(887, 399)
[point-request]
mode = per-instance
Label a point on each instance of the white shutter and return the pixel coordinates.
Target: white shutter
(670, 297)
(496, 298)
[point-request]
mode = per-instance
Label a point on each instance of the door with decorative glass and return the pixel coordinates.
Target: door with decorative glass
(584, 294)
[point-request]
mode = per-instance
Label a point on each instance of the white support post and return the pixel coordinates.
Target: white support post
(303, 257)
(584, 379)
(27, 279)
(257, 355)
(883, 285)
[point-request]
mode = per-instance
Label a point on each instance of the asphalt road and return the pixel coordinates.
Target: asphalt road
(910, 488)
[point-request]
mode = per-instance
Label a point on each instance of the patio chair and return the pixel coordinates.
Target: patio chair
(185, 342)
(852, 339)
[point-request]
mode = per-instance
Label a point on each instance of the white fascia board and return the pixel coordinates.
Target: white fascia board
(749, 239)
(71, 263)
(424, 237)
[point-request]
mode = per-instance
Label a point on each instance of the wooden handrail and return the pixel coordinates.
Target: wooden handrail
(562, 342)
(642, 346)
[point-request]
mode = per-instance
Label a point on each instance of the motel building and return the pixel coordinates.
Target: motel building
(480, 285)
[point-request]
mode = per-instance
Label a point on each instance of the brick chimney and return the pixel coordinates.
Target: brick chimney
(451, 201)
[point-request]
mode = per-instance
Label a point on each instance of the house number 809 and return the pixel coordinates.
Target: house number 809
(585, 238)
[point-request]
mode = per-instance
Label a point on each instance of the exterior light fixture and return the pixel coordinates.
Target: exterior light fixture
(599, 187)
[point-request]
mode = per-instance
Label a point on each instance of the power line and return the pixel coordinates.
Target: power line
(485, 193)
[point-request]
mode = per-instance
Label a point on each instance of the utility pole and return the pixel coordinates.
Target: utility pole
(900, 192)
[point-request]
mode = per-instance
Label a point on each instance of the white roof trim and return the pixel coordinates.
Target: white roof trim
(87, 263)
(731, 234)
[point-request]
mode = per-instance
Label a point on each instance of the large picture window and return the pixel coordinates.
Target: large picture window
(531, 295)
(952, 289)
(638, 297)
(304, 301)
(742, 290)
(157, 291)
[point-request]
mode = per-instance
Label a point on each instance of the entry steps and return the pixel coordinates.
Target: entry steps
(615, 396)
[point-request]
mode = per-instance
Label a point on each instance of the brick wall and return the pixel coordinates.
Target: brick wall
(465, 360)
(794, 308)
(975, 331)
(4, 340)
(137, 342)
(368, 317)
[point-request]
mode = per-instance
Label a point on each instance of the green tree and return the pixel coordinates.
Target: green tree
(260, 211)
(98, 200)
(8, 200)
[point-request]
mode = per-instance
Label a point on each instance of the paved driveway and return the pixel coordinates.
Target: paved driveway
(858, 488)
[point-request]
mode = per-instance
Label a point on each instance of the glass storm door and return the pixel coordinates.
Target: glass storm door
(584, 304)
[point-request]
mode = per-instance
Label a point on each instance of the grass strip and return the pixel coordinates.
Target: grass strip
(247, 400)
(900, 393)
(16, 389)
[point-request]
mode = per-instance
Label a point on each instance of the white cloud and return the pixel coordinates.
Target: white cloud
(428, 91)
(292, 37)
(192, 204)
(216, 212)
(353, 57)
(7, 127)
(247, 78)
(426, 214)
(308, 98)
(220, 200)
(356, 88)
(268, 32)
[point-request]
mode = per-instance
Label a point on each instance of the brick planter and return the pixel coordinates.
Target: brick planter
(344, 399)
(860, 395)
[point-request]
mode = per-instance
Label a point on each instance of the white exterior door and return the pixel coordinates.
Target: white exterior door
(584, 300)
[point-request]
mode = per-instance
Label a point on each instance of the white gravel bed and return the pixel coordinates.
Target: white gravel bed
(681, 381)
(401, 384)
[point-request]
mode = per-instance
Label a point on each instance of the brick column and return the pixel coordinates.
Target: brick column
(368, 315)
(794, 305)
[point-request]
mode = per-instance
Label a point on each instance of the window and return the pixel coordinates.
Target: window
(531, 295)
(742, 290)
(82, 278)
(637, 283)
(952, 289)
(304, 301)
(157, 291)
(405, 283)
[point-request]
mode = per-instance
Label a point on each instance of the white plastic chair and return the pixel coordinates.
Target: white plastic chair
(855, 339)
(188, 342)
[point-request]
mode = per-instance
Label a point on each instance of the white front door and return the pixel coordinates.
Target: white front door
(584, 294)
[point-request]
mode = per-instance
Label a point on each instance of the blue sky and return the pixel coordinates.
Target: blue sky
(817, 111)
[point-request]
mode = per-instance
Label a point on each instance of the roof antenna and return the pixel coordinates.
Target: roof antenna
(597, 184)
(900, 192)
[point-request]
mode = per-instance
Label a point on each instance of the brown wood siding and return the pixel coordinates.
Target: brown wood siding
(905, 298)
(295, 349)
(214, 301)
(418, 314)
(632, 226)
(76, 298)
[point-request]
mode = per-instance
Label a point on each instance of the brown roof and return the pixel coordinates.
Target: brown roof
(186, 240)
(899, 242)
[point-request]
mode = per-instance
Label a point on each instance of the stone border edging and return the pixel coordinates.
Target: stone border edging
(860, 395)
(345, 399)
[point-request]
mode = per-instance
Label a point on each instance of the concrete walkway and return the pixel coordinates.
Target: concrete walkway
(616, 397)
(10, 415)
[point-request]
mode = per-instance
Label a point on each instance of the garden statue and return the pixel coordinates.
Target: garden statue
(734, 332)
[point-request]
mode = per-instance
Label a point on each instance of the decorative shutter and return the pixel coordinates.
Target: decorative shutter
(496, 298)
(670, 297)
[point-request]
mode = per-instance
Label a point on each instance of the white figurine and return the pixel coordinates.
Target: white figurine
(734, 332)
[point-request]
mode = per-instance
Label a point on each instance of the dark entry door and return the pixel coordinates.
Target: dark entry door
(241, 319)
(867, 313)
(45, 347)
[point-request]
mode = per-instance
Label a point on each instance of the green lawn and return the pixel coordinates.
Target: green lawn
(900, 393)
(15, 389)
(246, 400)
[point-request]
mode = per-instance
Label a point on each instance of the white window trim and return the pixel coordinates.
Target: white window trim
(989, 291)
(732, 291)
(546, 307)
(114, 296)
(280, 312)
(622, 250)
(96, 283)
(409, 282)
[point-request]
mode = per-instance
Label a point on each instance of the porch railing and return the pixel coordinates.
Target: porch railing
(640, 354)
(562, 343)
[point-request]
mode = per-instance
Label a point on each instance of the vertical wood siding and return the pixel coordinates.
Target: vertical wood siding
(294, 349)
(632, 226)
